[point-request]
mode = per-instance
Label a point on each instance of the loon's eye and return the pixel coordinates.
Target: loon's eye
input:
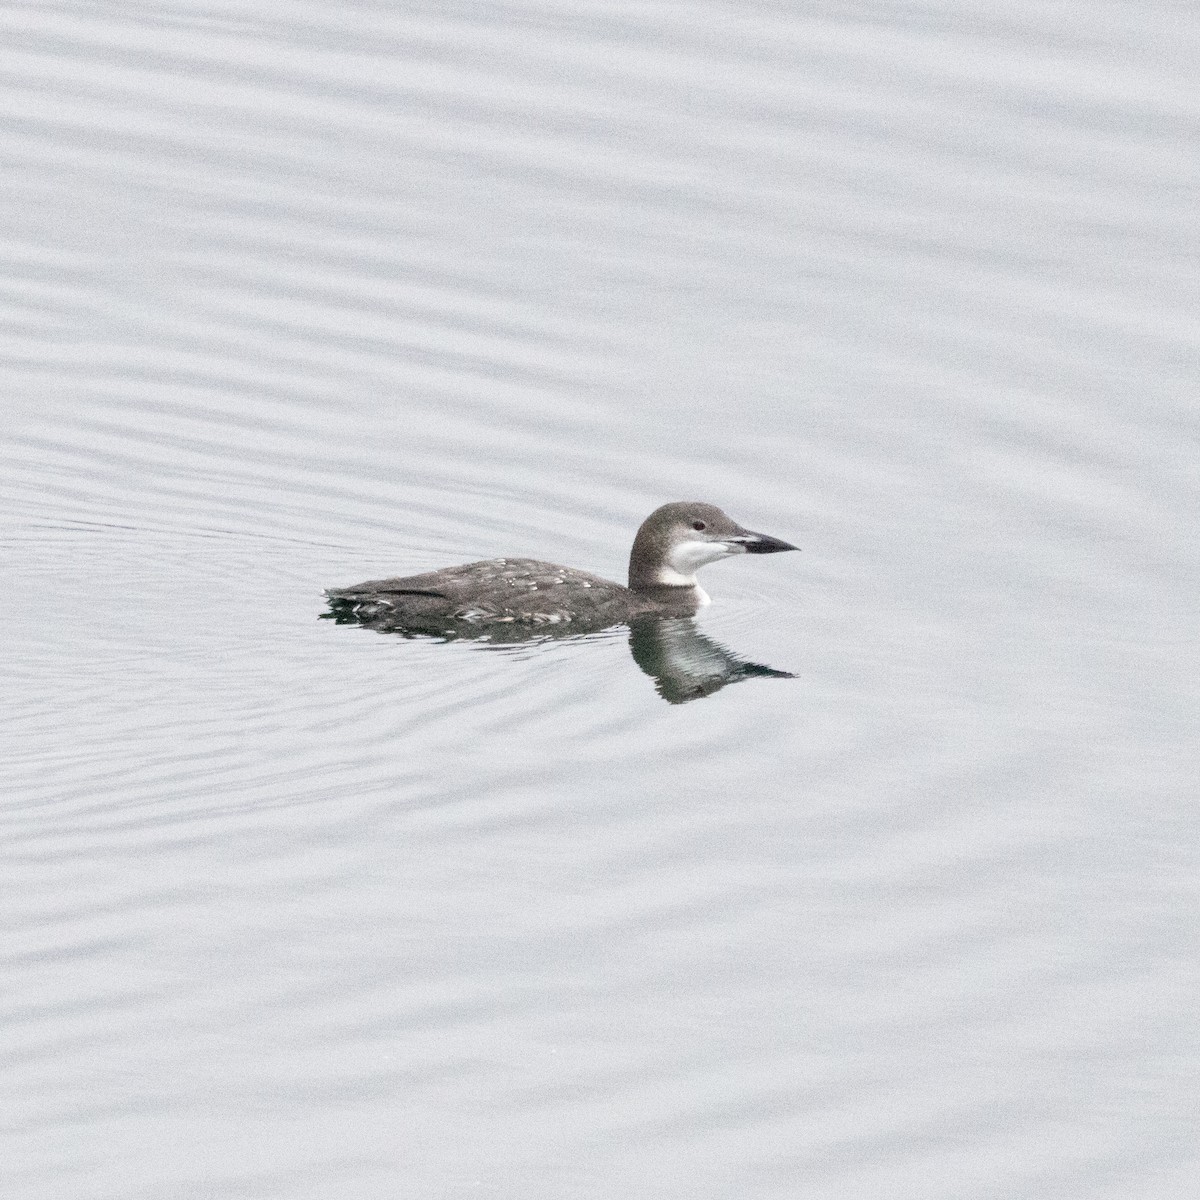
(698, 525)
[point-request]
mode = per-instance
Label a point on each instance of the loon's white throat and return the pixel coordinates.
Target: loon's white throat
(685, 558)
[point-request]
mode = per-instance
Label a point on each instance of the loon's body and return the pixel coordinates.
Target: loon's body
(672, 543)
(507, 591)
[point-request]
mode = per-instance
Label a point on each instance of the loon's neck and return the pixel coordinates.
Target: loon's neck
(687, 594)
(667, 576)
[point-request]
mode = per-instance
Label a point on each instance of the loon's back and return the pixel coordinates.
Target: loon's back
(493, 591)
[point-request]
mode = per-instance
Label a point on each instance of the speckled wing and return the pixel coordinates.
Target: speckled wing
(494, 591)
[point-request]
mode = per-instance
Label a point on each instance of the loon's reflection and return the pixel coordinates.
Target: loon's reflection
(684, 663)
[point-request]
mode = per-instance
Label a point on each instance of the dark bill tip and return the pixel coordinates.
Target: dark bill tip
(764, 543)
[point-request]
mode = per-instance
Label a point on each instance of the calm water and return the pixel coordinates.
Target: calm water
(296, 295)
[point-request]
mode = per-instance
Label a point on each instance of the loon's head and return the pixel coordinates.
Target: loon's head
(678, 538)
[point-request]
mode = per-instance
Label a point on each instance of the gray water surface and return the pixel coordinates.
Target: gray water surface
(298, 294)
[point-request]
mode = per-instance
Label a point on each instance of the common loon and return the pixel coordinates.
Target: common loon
(672, 543)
